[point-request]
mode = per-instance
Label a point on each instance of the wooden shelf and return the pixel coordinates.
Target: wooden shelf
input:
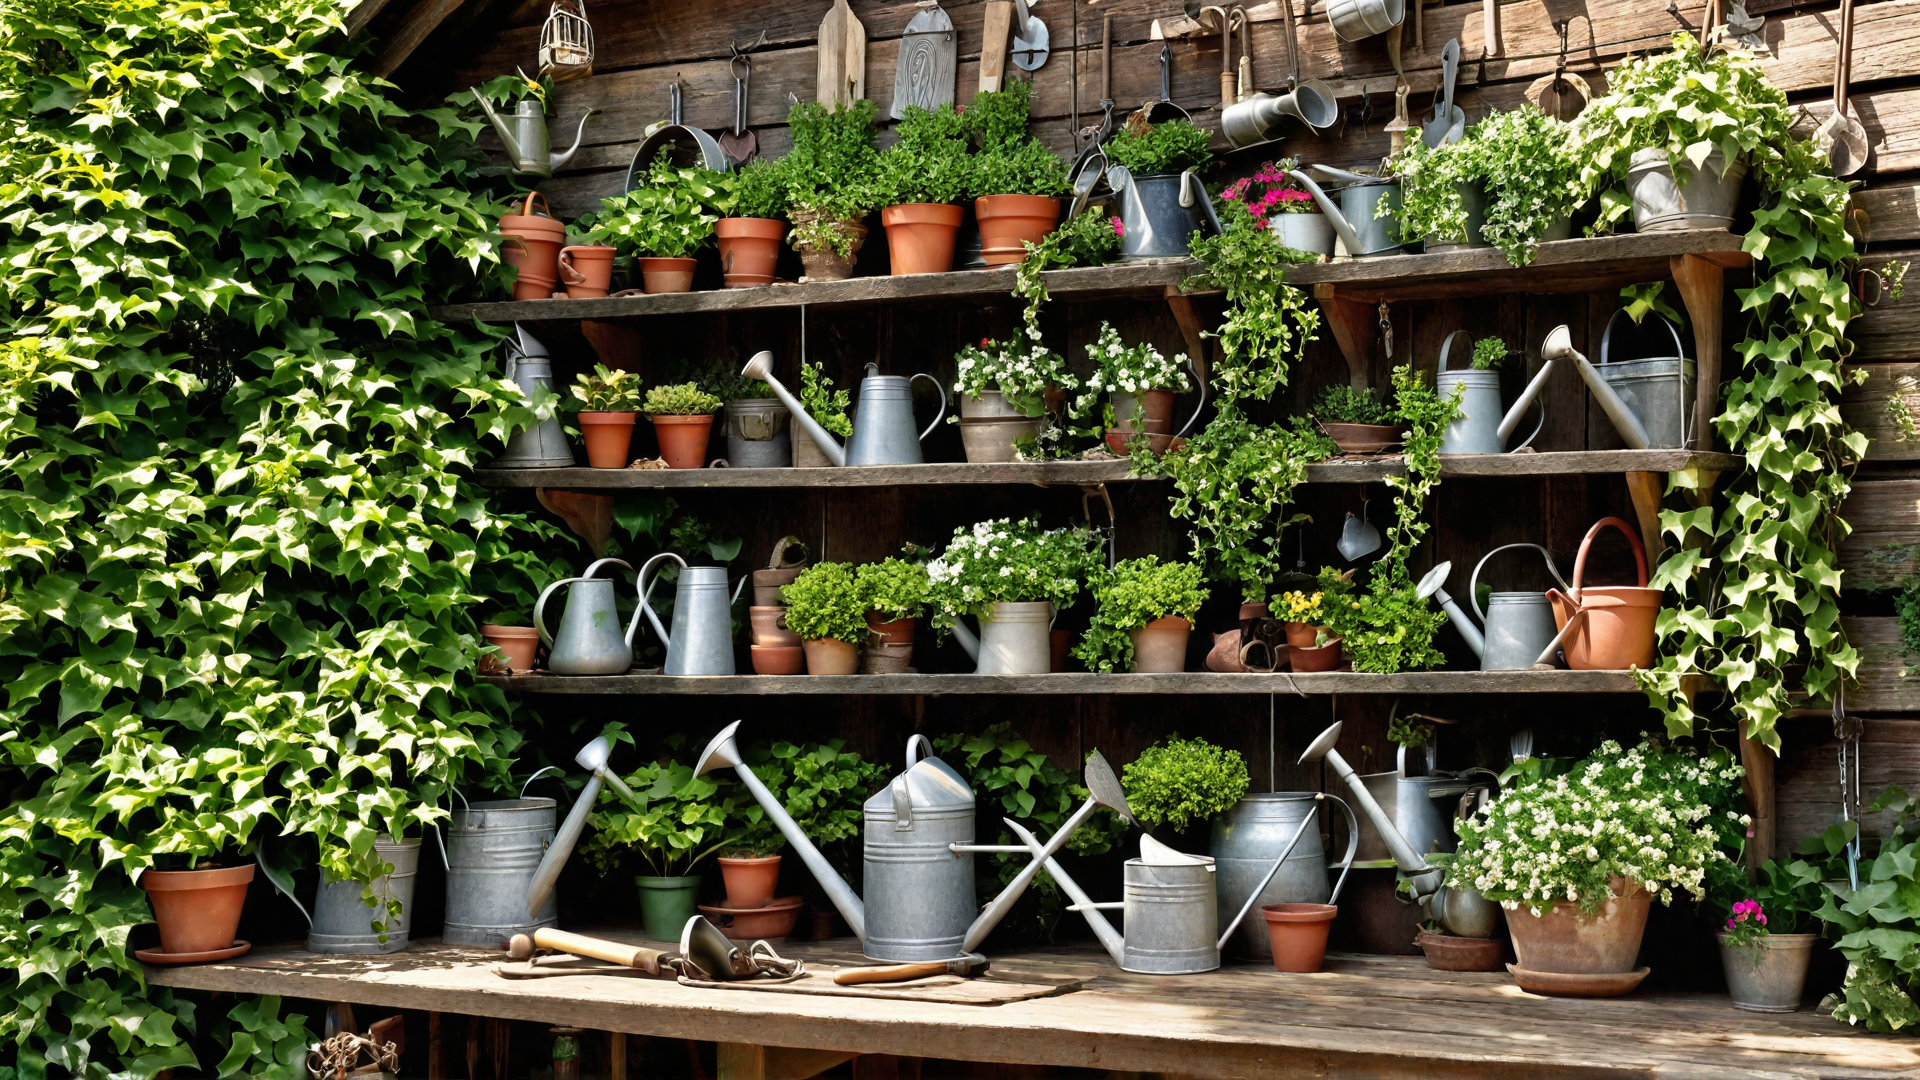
(1191, 682)
(1338, 471)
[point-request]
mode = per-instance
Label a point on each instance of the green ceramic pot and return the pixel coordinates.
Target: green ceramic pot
(666, 903)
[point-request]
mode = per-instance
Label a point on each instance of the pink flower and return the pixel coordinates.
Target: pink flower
(1763, 920)
(1118, 228)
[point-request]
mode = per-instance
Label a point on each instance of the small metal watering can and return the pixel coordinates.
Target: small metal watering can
(1015, 639)
(702, 638)
(1354, 216)
(1159, 214)
(1255, 118)
(919, 852)
(1415, 803)
(1647, 400)
(1475, 430)
(526, 139)
(883, 432)
(544, 445)
(589, 641)
(1171, 906)
(1517, 625)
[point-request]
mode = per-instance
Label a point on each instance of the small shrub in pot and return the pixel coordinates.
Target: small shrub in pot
(662, 222)
(609, 402)
(1142, 601)
(1158, 149)
(923, 177)
(753, 204)
(683, 419)
(894, 593)
(825, 608)
(833, 183)
(1183, 783)
(676, 821)
(1016, 181)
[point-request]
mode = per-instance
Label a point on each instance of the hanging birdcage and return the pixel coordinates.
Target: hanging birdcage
(566, 42)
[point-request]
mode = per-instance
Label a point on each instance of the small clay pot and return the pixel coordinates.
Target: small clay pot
(518, 646)
(1299, 934)
(1224, 656)
(778, 659)
(889, 632)
(586, 270)
(1151, 412)
(749, 249)
(1445, 952)
(1302, 635)
(1161, 645)
(1363, 438)
(666, 275)
(1009, 222)
(826, 656)
(750, 882)
(609, 436)
(531, 245)
(1324, 658)
(770, 627)
(683, 439)
(920, 237)
(821, 264)
(769, 923)
(768, 581)
(198, 910)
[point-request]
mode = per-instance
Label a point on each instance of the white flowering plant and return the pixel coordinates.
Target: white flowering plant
(1023, 372)
(1010, 562)
(1119, 368)
(1648, 818)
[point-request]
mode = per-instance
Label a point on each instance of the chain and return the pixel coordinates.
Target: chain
(334, 1058)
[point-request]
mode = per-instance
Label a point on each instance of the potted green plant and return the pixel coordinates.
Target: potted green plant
(197, 909)
(756, 423)
(1017, 182)
(1769, 934)
(1577, 859)
(1179, 786)
(923, 177)
(750, 857)
(1510, 182)
(1140, 385)
(663, 222)
(1302, 614)
(674, 822)
(585, 267)
(1149, 163)
(753, 206)
(1010, 575)
(894, 593)
(828, 407)
(832, 185)
(825, 608)
(1003, 388)
(1145, 614)
(514, 645)
(1166, 149)
(1283, 208)
(1356, 420)
(608, 402)
(1878, 921)
(683, 420)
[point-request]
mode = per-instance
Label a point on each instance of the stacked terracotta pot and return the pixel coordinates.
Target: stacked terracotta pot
(533, 239)
(889, 648)
(752, 911)
(776, 650)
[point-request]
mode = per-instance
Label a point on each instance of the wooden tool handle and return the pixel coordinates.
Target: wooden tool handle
(890, 973)
(633, 956)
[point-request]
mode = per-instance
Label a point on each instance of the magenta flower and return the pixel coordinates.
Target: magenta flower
(1118, 228)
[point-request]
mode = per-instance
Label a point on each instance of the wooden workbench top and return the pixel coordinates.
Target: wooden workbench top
(1368, 1016)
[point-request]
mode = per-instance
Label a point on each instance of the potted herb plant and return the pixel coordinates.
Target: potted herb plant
(753, 206)
(1176, 788)
(1017, 182)
(1285, 208)
(894, 593)
(1146, 610)
(832, 185)
(674, 822)
(1357, 421)
(515, 642)
(1011, 575)
(1155, 159)
(1003, 389)
(1769, 934)
(1510, 182)
(923, 177)
(198, 909)
(609, 403)
(683, 420)
(663, 222)
(750, 857)
(825, 608)
(828, 407)
(1140, 385)
(1577, 859)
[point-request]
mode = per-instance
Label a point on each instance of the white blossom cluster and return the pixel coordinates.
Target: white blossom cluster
(1119, 368)
(1007, 561)
(1022, 374)
(1619, 819)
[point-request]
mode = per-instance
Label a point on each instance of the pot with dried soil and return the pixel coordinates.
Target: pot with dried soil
(683, 419)
(1145, 615)
(825, 609)
(609, 404)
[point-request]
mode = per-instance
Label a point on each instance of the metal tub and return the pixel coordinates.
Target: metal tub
(342, 924)
(493, 849)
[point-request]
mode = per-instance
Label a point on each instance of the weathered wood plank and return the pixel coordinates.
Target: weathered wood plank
(1191, 682)
(1885, 683)
(1808, 791)
(414, 29)
(1866, 408)
(1562, 266)
(1890, 331)
(1884, 546)
(1893, 211)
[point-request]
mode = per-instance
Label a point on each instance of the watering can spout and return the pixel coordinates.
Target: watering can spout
(761, 367)
(560, 160)
(967, 638)
(1110, 938)
(1423, 879)
(1462, 622)
(723, 751)
(1559, 344)
(500, 126)
(1330, 208)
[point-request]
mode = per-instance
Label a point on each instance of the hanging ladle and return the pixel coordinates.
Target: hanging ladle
(1358, 536)
(739, 141)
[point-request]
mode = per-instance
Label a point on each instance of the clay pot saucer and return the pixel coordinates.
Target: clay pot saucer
(1556, 984)
(776, 920)
(158, 957)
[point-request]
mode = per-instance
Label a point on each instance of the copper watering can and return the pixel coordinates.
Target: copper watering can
(1606, 628)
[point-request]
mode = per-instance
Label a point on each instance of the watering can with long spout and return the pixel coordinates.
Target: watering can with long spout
(1559, 344)
(1353, 217)
(593, 758)
(1422, 879)
(526, 138)
(918, 854)
(1518, 624)
(883, 424)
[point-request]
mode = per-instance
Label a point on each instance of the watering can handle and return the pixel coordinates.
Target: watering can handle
(1194, 366)
(539, 623)
(1189, 184)
(1433, 751)
(938, 389)
(634, 623)
(915, 751)
(1085, 181)
(1473, 583)
(640, 583)
(1447, 345)
(1537, 428)
(1353, 846)
(1680, 350)
(1633, 541)
(526, 205)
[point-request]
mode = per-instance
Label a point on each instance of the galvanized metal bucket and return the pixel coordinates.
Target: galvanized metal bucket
(1517, 625)
(1658, 389)
(757, 436)
(1356, 19)
(1172, 918)
(1160, 213)
(342, 924)
(1246, 840)
(493, 849)
(1694, 198)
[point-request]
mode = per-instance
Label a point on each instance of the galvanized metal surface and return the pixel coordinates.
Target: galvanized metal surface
(1706, 200)
(1356, 19)
(757, 436)
(1657, 390)
(1160, 214)
(1014, 639)
(1246, 840)
(493, 849)
(1483, 422)
(526, 138)
(702, 639)
(1311, 233)
(884, 429)
(990, 425)
(1353, 215)
(924, 75)
(342, 924)
(1172, 918)
(544, 445)
(590, 641)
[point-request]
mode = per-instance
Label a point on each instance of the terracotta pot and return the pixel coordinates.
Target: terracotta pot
(1150, 412)
(778, 659)
(1616, 627)
(770, 627)
(826, 656)
(767, 583)
(586, 270)
(1224, 656)
(1161, 645)
(1299, 934)
(920, 237)
(882, 659)
(769, 923)
(749, 248)
(1009, 222)
(683, 439)
(1566, 942)
(666, 275)
(518, 646)
(608, 435)
(750, 882)
(821, 264)
(532, 244)
(1324, 658)
(1363, 438)
(1302, 635)
(889, 631)
(198, 910)
(1445, 952)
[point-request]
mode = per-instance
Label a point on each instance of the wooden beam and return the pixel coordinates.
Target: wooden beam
(616, 1055)
(1645, 487)
(1702, 283)
(1758, 785)
(414, 28)
(1190, 328)
(436, 1048)
(1352, 323)
(740, 1061)
(362, 14)
(1079, 683)
(589, 516)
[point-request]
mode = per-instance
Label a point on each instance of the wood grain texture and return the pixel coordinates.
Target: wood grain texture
(1865, 408)
(1561, 266)
(1887, 682)
(1191, 682)
(1891, 330)
(1363, 1017)
(414, 29)
(1807, 775)
(1884, 546)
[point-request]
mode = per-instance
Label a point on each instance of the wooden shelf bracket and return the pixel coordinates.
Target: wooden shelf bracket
(1352, 322)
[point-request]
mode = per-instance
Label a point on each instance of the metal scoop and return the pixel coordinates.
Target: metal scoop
(740, 142)
(1844, 136)
(1449, 121)
(1358, 536)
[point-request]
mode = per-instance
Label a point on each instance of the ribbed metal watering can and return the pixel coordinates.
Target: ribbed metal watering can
(590, 641)
(544, 445)
(526, 138)
(1480, 427)
(883, 424)
(919, 852)
(702, 638)
(1517, 625)
(1647, 400)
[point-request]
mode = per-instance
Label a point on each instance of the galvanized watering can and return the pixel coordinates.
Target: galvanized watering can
(1414, 802)
(919, 852)
(526, 138)
(1244, 841)
(544, 445)
(1355, 217)
(702, 638)
(590, 641)
(1171, 908)
(1649, 401)
(1014, 639)
(1476, 430)
(593, 758)
(1517, 625)
(339, 922)
(1160, 214)
(883, 425)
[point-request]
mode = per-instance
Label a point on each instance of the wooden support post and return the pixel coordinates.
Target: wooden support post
(1191, 328)
(1758, 785)
(743, 1061)
(589, 516)
(997, 26)
(436, 1049)
(1645, 489)
(1702, 284)
(616, 1055)
(1352, 322)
